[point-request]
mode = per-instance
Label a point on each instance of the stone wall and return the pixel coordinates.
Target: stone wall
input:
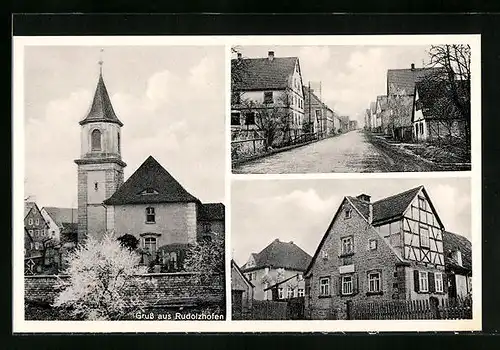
(170, 289)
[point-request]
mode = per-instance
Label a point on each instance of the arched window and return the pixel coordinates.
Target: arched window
(118, 142)
(96, 140)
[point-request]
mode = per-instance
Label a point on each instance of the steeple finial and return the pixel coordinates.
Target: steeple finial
(100, 62)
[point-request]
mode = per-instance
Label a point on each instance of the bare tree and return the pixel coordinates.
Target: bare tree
(455, 101)
(272, 120)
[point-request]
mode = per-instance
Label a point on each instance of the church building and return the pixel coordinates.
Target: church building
(151, 205)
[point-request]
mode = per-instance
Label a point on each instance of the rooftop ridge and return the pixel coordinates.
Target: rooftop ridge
(398, 194)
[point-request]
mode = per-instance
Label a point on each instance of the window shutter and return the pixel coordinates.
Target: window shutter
(432, 283)
(445, 283)
(339, 285)
(415, 280)
(355, 283)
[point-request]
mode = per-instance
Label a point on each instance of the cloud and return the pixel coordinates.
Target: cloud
(307, 200)
(314, 56)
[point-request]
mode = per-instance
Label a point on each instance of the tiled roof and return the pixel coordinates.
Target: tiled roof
(393, 206)
(386, 208)
(453, 242)
(27, 207)
(150, 176)
(211, 211)
(279, 254)
(262, 73)
(403, 80)
(237, 268)
(62, 215)
(430, 91)
(315, 99)
(101, 109)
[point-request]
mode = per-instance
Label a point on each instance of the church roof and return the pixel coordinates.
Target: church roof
(101, 109)
(150, 183)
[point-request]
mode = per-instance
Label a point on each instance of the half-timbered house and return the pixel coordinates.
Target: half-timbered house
(374, 251)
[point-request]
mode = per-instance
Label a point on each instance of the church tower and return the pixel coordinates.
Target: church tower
(100, 167)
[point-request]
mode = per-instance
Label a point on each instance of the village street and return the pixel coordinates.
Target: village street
(345, 153)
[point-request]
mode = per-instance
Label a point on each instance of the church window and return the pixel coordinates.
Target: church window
(150, 215)
(96, 186)
(96, 140)
(118, 142)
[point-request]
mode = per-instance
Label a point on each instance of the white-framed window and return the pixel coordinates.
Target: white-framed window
(438, 282)
(280, 293)
(150, 215)
(268, 97)
(30, 232)
(347, 285)
(373, 244)
(266, 270)
(423, 281)
(289, 292)
(37, 221)
(348, 213)
(422, 203)
(374, 282)
(150, 244)
(324, 254)
(300, 292)
(324, 286)
(347, 245)
(424, 236)
(30, 221)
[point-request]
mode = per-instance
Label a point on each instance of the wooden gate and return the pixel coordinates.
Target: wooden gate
(295, 308)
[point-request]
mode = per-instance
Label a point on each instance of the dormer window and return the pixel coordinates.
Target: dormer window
(149, 191)
(457, 256)
(96, 140)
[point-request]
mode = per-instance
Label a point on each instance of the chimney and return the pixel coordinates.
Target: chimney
(413, 66)
(239, 55)
(270, 55)
(291, 242)
(366, 198)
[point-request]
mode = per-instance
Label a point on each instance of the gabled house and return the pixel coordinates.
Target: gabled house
(458, 264)
(61, 220)
(269, 82)
(275, 263)
(368, 120)
(373, 116)
(374, 251)
(401, 83)
(241, 291)
(36, 227)
(434, 114)
(321, 116)
(344, 123)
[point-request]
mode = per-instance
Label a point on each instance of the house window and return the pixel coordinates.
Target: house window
(347, 246)
(289, 292)
(236, 98)
(422, 128)
(301, 292)
(37, 221)
(118, 142)
(250, 118)
(438, 282)
(347, 285)
(96, 186)
(249, 276)
(374, 282)
(373, 244)
(324, 286)
(150, 215)
(280, 293)
(30, 221)
(423, 281)
(348, 213)
(421, 203)
(324, 254)
(235, 118)
(150, 244)
(30, 232)
(95, 140)
(424, 236)
(268, 97)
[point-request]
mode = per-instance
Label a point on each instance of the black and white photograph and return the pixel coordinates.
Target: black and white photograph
(350, 109)
(364, 249)
(124, 186)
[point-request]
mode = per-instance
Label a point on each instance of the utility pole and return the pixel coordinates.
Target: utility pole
(309, 92)
(322, 109)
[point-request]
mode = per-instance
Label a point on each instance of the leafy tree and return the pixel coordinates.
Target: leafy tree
(206, 256)
(103, 281)
(128, 241)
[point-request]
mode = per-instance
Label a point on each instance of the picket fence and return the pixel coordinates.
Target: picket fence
(444, 309)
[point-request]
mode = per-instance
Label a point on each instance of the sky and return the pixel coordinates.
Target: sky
(301, 210)
(170, 100)
(351, 76)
